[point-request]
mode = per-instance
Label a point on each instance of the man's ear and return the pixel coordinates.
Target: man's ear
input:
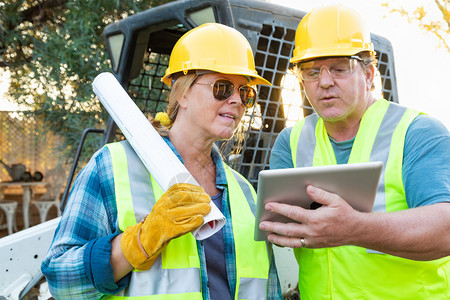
(369, 72)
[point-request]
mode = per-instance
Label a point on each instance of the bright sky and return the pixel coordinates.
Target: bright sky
(421, 67)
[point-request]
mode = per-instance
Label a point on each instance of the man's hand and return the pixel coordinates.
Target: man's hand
(330, 225)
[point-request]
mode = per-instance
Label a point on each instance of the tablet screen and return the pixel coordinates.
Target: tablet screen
(356, 183)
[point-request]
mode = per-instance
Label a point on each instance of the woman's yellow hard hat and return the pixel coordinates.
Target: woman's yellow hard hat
(213, 47)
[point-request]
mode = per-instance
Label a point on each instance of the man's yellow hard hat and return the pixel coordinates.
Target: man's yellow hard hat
(213, 47)
(333, 30)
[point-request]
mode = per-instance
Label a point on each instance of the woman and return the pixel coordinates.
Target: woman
(101, 248)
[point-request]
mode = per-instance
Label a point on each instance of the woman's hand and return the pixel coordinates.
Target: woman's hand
(179, 210)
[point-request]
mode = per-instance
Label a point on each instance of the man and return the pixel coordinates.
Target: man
(401, 249)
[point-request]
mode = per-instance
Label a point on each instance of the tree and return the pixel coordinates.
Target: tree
(53, 50)
(438, 23)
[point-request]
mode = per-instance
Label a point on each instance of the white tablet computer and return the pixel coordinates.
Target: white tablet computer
(356, 183)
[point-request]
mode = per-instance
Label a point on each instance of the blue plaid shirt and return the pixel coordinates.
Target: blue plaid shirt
(78, 266)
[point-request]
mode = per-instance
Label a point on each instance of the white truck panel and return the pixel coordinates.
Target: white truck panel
(21, 255)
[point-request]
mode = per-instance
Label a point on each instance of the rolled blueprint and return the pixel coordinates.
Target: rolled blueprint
(153, 151)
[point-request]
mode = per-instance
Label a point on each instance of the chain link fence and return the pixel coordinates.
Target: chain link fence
(23, 140)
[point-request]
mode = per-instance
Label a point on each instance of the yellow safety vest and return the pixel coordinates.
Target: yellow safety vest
(176, 273)
(350, 272)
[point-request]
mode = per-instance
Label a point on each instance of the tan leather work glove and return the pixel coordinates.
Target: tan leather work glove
(179, 210)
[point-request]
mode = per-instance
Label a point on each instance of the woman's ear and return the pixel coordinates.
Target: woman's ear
(182, 101)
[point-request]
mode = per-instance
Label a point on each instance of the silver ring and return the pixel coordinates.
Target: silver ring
(302, 240)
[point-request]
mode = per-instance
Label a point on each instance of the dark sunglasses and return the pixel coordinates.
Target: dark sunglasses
(223, 89)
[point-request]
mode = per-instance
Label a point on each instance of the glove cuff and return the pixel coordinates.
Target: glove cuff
(140, 244)
(133, 250)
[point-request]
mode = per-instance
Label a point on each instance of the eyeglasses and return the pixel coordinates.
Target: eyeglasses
(339, 68)
(223, 89)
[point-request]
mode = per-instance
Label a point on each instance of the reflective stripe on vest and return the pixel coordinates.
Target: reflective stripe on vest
(350, 272)
(371, 144)
(176, 274)
(251, 279)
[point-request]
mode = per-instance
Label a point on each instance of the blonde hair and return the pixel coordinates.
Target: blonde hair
(179, 89)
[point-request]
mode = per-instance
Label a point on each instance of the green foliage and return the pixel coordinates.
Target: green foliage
(53, 50)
